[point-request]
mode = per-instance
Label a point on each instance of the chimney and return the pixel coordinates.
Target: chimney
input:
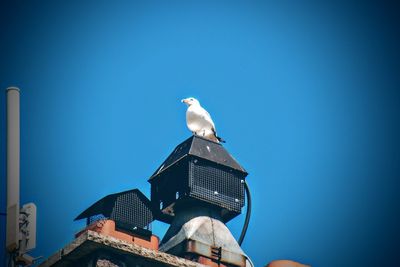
(198, 189)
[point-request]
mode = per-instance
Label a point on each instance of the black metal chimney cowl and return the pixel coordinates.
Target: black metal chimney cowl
(197, 189)
(202, 173)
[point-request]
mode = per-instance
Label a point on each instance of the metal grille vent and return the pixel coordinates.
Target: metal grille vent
(131, 217)
(220, 186)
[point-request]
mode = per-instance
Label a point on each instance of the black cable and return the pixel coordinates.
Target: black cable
(248, 213)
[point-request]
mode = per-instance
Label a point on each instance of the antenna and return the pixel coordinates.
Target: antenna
(21, 223)
(13, 162)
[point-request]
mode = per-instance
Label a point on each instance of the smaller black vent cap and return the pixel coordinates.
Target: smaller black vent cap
(105, 206)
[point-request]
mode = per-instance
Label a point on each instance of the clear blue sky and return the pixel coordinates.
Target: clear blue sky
(304, 93)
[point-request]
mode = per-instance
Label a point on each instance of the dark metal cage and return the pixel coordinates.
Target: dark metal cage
(198, 171)
(131, 210)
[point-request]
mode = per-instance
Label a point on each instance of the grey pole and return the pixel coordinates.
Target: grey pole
(13, 168)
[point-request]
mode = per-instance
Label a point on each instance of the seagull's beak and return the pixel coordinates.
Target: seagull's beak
(184, 101)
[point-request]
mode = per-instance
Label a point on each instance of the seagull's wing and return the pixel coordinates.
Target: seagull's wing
(207, 117)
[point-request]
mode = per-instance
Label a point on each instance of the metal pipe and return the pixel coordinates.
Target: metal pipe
(13, 167)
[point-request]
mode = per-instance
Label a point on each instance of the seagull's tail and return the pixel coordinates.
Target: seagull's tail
(216, 137)
(220, 139)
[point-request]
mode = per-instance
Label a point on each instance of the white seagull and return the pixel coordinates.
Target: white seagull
(199, 121)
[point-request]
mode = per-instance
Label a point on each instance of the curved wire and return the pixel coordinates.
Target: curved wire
(248, 213)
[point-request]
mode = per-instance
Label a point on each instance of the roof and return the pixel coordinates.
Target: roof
(106, 205)
(88, 245)
(201, 148)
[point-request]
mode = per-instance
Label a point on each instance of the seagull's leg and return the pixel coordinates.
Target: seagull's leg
(204, 132)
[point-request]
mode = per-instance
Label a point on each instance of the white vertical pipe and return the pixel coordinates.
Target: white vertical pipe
(13, 167)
